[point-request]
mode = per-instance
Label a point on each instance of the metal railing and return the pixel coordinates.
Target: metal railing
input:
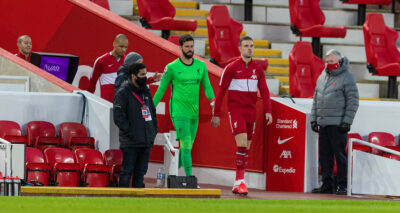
(6, 146)
(350, 156)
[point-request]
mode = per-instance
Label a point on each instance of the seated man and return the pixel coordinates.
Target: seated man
(24, 44)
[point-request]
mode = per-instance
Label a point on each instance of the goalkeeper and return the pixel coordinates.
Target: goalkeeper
(185, 75)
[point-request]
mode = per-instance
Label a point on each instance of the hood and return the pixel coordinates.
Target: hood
(132, 58)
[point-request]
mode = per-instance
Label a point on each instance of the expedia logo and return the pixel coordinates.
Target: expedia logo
(278, 169)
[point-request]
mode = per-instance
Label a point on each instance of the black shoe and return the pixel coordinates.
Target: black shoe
(323, 190)
(341, 190)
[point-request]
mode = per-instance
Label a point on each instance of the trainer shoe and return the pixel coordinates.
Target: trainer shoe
(241, 189)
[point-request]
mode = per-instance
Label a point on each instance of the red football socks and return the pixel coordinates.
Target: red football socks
(240, 163)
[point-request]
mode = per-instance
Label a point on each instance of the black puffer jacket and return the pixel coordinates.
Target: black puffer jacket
(134, 131)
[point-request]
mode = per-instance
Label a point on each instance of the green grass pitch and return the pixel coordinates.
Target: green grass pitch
(165, 205)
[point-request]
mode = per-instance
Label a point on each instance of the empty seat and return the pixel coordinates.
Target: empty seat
(392, 156)
(383, 57)
(37, 171)
(223, 36)
(357, 146)
(304, 70)
(74, 136)
(94, 172)
(38, 129)
(384, 139)
(159, 15)
(65, 171)
(307, 20)
(11, 131)
(113, 159)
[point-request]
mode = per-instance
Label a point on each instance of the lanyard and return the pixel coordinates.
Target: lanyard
(137, 97)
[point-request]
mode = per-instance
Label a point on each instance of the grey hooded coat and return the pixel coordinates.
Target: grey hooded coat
(335, 97)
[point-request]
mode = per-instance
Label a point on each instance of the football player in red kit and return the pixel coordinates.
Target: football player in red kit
(106, 66)
(242, 78)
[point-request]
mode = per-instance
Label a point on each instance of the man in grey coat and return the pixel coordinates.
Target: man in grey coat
(334, 106)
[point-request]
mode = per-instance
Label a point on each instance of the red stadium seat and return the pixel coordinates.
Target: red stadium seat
(74, 136)
(384, 139)
(37, 170)
(11, 131)
(391, 156)
(35, 129)
(43, 143)
(307, 20)
(304, 70)
(383, 57)
(357, 146)
(65, 171)
(159, 15)
(113, 159)
(174, 39)
(94, 172)
(223, 36)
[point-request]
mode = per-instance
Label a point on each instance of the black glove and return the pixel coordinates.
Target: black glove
(314, 126)
(344, 127)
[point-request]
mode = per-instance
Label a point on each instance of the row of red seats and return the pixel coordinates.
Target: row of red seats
(384, 139)
(42, 135)
(81, 167)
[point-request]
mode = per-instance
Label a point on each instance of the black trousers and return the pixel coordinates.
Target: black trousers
(135, 163)
(332, 143)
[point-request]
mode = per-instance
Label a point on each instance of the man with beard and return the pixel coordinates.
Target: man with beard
(105, 67)
(24, 44)
(135, 116)
(242, 78)
(185, 75)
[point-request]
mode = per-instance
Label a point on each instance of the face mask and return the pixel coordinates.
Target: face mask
(331, 67)
(141, 81)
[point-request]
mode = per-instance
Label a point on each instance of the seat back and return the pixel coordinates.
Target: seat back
(58, 155)
(380, 41)
(37, 170)
(39, 128)
(304, 70)
(34, 155)
(305, 13)
(155, 9)
(71, 129)
(9, 128)
(88, 156)
(381, 139)
(113, 157)
(223, 34)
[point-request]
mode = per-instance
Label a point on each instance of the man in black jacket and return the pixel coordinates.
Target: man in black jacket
(135, 115)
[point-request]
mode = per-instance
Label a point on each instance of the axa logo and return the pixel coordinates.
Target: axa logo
(284, 140)
(286, 154)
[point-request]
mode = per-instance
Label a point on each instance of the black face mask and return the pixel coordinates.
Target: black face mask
(141, 81)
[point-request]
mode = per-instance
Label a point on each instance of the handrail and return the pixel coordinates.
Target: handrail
(7, 145)
(350, 156)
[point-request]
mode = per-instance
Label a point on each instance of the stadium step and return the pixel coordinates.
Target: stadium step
(257, 43)
(121, 192)
(277, 70)
(179, 4)
(260, 53)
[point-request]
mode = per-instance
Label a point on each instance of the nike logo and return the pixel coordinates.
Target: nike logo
(283, 141)
(110, 65)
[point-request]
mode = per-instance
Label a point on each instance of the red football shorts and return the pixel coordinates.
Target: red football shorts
(242, 123)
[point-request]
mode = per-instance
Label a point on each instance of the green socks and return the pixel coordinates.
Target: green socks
(185, 155)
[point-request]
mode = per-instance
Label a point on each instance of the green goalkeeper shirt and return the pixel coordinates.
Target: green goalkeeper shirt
(185, 87)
